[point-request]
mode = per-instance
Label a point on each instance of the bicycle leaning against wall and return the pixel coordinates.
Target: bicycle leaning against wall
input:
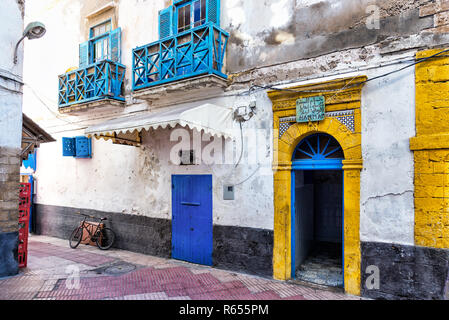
(102, 236)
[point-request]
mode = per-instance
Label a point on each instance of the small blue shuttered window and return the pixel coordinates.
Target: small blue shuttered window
(68, 147)
(78, 147)
(186, 14)
(100, 47)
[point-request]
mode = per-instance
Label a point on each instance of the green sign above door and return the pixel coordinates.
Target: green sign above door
(310, 109)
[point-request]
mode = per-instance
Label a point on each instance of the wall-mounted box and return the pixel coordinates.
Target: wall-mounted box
(228, 192)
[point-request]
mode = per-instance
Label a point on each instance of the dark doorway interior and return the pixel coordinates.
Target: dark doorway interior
(318, 232)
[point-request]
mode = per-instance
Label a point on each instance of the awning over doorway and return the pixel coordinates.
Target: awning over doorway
(214, 120)
(32, 136)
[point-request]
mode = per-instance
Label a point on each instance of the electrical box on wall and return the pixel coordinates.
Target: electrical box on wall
(228, 192)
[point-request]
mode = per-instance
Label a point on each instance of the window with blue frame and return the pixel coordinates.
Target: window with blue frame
(77, 147)
(184, 15)
(100, 41)
(103, 44)
(191, 14)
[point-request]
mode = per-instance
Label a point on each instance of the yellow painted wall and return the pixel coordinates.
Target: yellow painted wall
(341, 94)
(431, 151)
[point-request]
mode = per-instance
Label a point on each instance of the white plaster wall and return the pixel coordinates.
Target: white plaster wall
(388, 122)
(50, 56)
(10, 102)
(119, 178)
(137, 181)
(131, 19)
(58, 50)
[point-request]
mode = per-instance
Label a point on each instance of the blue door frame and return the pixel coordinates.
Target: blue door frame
(192, 218)
(311, 165)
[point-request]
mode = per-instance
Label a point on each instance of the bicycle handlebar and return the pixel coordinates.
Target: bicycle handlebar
(88, 216)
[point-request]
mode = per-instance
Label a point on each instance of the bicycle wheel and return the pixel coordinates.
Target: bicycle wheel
(76, 237)
(106, 239)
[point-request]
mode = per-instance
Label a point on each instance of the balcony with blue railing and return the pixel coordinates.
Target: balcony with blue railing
(98, 81)
(190, 54)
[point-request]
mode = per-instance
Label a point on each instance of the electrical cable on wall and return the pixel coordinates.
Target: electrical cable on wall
(10, 90)
(256, 87)
(241, 143)
(347, 86)
(48, 108)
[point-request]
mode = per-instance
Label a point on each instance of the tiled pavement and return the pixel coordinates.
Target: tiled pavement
(53, 268)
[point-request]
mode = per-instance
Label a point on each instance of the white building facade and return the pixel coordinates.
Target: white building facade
(219, 82)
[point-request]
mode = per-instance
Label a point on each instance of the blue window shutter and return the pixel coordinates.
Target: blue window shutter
(68, 147)
(213, 11)
(83, 147)
(166, 22)
(115, 39)
(84, 54)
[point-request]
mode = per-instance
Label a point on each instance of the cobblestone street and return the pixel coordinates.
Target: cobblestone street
(116, 274)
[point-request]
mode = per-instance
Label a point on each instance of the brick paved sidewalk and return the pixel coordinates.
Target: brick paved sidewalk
(123, 275)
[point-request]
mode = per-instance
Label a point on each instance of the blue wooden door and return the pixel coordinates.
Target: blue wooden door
(192, 218)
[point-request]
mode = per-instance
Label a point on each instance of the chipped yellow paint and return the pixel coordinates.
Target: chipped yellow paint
(431, 151)
(284, 105)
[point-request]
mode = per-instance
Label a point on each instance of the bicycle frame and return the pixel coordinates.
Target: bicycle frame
(92, 235)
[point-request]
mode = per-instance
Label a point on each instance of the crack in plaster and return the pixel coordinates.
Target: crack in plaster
(377, 197)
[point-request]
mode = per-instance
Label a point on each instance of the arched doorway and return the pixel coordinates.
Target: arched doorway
(343, 122)
(317, 211)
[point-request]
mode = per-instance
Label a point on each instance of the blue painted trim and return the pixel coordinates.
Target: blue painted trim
(293, 225)
(92, 44)
(99, 24)
(293, 218)
(182, 3)
(329, 164)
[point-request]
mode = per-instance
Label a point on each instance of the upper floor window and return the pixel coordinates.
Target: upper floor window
(103, 44)
(191, 15)
(100, 41)
(184, 15)
(100, 29)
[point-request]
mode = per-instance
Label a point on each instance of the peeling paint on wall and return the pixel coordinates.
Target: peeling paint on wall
(21, 4)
